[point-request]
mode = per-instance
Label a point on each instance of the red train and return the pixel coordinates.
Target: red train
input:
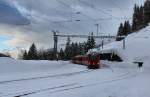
(91, 60)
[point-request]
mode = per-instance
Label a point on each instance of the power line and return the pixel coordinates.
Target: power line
(98, 19)
(104, 11)
(111, 16)
(48, 20)
(86, 36)
(84, 20)
(90, 18)
(100, 10)
(121, 10)
(79, 20)
(68, 6)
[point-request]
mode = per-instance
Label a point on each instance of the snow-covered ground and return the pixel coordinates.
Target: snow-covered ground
(137, 46)
(63, 79)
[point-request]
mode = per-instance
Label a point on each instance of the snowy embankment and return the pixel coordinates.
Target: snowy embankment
(137, 46)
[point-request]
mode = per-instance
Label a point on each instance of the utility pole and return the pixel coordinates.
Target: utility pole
(124, 43)
(97, 25)
(102, 44)
(55, 44)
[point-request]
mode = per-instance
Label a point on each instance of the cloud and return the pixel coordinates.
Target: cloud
(33, 20)
(10, 15)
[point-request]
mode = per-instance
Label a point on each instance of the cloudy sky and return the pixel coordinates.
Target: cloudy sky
(23, 22)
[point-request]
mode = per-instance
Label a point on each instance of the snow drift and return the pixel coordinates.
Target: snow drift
(137, 46)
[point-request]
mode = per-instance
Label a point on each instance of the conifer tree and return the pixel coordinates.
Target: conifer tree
(124, 30)
(141, 17)
(68, 50)
(61, 54)
(74, 49)
(82, 48)
(147, 12)
(25, 55)
(32, 53)
(135, 18)
(91, 42)
(120, 32)
(129, 28)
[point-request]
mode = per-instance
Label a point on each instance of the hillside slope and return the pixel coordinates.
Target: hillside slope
(137, 46)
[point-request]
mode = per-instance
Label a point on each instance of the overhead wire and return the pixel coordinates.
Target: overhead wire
(100, 19)
(117, 6)
(68, 6)
(90, 18)
(100, 10)
(112, 17)
(77, 20)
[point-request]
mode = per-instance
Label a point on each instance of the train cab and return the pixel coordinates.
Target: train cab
(92, 60)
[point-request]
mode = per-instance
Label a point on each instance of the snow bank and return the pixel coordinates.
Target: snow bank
(137, 46)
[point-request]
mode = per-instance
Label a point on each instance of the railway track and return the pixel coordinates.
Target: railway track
(21, 94)
(48, 76)
(72, 86)
(98, 83)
